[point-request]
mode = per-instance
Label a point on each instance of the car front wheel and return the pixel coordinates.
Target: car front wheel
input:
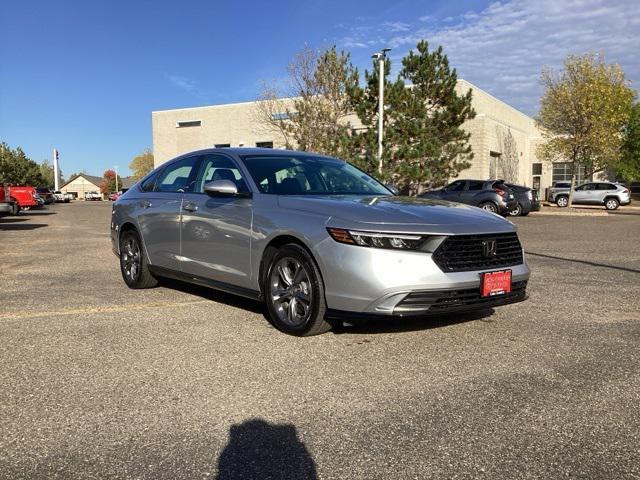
(294, 293)
(133, 262)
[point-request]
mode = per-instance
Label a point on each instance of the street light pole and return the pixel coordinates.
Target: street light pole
(116, 167)
(380, 56)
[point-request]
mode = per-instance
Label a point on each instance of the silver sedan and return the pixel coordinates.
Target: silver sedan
(313, 237)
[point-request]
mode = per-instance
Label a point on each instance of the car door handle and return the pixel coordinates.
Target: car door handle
(145, 203)
(190, 207)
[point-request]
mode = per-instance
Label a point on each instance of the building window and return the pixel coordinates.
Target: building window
(222, 145)
(536, 169)
(493, 164)
(264, 144)
(283, 115)
(562, 173)
(189, 123)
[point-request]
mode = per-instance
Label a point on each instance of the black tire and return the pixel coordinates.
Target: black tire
(562, 201)
(489, 207)
(524, 214)
(133, 262)
(517, 211)
(295, 307)
(611, 203)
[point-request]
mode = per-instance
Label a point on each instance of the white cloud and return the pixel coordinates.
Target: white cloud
(503, 48)
(396, 26)
(182, 83)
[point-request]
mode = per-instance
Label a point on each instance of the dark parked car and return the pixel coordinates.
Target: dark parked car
(46, 194)
(491, 195)
(526, 198)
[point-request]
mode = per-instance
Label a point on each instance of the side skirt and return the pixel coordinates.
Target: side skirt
(205, 282)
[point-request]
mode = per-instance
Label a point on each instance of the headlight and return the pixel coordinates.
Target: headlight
(396, 241)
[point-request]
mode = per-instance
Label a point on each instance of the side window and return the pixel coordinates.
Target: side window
(456, 186)
(606, 186)
(219, 167)
(148, 183)
(178, 177)
(581, 188)
(475, 186)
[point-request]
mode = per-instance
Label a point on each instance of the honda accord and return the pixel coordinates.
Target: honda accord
(314, 238)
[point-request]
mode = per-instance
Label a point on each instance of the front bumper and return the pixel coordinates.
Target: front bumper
(384, 282)
(437, 302)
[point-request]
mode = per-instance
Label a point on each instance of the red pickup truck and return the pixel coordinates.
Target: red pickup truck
(8, 206)
(27, 197)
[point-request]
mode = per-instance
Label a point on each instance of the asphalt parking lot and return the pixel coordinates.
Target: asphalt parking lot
(180, 382)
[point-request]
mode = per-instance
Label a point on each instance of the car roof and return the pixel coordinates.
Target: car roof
(254, 151)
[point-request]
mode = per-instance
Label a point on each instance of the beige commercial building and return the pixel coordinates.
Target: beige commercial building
(503, 139)
(84, 183)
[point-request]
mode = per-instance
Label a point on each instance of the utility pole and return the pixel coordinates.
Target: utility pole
(117, 178)
(381, 57)
(56, 169)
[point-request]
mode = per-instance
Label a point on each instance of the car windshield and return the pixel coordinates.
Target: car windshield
(307, 175)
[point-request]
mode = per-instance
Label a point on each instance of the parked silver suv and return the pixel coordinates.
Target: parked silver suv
(314, 238)
(609, 194)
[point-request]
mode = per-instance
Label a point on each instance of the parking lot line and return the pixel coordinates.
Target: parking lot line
(106, 309)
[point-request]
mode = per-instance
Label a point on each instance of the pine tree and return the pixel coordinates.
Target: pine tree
(424, 143)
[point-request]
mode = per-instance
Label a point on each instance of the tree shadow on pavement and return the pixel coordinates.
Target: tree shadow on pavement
(261, 450)
(22, 226)
(409, 324)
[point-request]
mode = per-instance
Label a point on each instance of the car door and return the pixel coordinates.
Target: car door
(453, 191)
(216, 231)
(604, 190)
(470, 192)
(159, 212)
(583, 193)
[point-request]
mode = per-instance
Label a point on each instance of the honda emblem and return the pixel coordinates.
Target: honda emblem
(489, 248)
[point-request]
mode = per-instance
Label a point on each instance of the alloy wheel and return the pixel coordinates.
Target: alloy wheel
(562, 202)
(611, 204)
(131, 259)
(489, 207)
(290, 291)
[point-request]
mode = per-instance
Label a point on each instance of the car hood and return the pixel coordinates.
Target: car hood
(398, 214)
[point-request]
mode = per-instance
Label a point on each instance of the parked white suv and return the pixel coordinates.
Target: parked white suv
(609, 194)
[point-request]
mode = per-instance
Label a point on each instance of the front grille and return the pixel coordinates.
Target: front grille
(452, 300)
(465, 253)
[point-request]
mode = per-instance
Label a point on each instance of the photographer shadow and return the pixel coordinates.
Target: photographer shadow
(260, 450)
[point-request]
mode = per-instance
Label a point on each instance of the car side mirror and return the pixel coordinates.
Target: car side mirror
(221, 188)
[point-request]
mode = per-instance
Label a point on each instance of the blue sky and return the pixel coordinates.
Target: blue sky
(84, 76)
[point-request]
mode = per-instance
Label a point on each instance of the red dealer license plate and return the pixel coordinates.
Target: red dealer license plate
(495, 283)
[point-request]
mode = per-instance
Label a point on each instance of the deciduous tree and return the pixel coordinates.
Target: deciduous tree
(108, 183)
(142, 164)
(629, 165)
(309, 110)
(582, 113)
(18, 169)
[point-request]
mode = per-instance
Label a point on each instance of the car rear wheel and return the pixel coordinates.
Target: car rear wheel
(611, 203)
(517, 211)
(489, 207)
(562, 201)
(133, 262)
(294, 293)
